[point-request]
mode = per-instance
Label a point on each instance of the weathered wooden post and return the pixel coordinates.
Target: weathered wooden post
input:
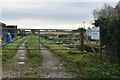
(81, 39)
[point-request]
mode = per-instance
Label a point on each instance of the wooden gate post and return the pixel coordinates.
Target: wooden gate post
(81, 39)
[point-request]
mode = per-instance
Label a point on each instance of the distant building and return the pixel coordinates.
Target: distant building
(21, 32)
(1, 24)
(13, 30)
(4, 29)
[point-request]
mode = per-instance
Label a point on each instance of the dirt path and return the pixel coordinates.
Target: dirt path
(51, 66)
(16, 66)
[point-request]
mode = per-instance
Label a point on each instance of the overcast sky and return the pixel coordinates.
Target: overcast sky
(38, 14)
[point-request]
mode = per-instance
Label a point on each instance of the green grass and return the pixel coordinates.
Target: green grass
(4, 44)
(48, 44)
(33, 56)
(9, 54)
(32, 42)
(85, 65)
(15, 44)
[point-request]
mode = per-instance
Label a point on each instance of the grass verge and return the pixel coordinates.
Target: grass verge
(84, 65)
(33, 56)
(9, 54)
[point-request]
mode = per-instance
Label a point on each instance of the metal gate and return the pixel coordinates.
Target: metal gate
(37, 39)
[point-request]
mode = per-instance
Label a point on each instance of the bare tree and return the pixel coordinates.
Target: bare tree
(107, 10)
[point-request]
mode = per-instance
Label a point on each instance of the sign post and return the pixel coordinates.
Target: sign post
(96, 35)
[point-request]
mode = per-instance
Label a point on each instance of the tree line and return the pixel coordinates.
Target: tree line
(108, 19)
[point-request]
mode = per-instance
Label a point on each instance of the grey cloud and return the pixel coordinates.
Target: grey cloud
(70, 11)
(64, 11)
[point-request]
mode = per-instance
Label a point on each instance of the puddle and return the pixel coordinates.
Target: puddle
(22, 58)
(21, 62)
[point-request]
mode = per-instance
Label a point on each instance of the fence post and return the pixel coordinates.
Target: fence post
(81, 39)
